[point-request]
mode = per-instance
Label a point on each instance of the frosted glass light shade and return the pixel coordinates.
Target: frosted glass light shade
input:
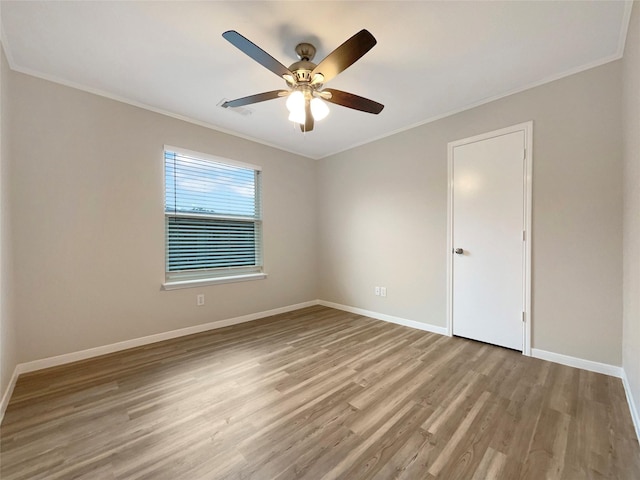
(297, 116)
(319, 109)
(295, 102)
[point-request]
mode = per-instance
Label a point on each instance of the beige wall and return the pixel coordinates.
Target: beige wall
(8, 341)
(382, 215)
(88, 232)
(631, 110)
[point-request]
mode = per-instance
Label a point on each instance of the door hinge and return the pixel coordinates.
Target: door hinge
(524, 317)
(524, 154)
(524, 236)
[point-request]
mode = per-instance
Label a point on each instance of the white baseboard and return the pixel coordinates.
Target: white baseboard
(387, 318)
(632, 405)
(590, 365)
(8, 392)
(158, 337)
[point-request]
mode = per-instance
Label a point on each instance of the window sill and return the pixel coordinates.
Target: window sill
(201, 282)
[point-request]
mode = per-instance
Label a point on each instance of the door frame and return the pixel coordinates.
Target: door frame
(527, 128)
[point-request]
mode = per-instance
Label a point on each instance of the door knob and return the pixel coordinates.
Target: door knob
(458, 251)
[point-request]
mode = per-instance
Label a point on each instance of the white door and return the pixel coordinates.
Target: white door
(488, 223)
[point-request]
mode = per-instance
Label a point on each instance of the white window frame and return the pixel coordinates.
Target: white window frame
(175, 280)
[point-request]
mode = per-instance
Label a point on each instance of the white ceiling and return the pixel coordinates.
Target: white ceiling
(432, 58)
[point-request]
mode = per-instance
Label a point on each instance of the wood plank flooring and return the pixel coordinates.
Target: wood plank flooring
(318, 394)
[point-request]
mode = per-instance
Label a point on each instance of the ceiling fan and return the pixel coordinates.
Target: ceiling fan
(305, 79)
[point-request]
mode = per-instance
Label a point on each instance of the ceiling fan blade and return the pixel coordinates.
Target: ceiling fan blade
(356, 102)
(255, 52)
(345, 55)
(308, 118)
(258, 97)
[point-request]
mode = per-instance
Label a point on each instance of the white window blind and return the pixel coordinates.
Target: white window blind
(213, 217)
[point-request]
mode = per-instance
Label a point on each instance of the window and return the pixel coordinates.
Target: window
(213, 219)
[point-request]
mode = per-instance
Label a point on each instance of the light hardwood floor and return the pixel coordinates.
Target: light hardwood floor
(318, 394)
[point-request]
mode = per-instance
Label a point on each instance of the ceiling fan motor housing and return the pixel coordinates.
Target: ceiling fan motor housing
(302, 70)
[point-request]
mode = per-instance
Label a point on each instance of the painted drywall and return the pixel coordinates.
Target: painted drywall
(8, 341)
(8, 336)
(383, 215)
(88, 231)
(631, 143)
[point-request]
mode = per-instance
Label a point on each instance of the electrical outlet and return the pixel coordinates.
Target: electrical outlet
(383, 291)
(200, 299)
(377, 291)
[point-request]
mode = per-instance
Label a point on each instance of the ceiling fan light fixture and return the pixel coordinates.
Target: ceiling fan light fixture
(319, 109)
(297, 116)
(295, 102)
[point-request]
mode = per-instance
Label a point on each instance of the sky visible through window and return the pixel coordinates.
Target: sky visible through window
(206, 187)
